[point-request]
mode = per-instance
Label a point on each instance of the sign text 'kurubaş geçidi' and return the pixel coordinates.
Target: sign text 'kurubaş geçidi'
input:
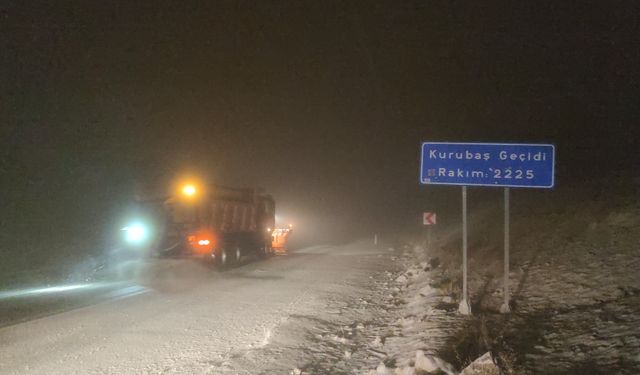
(488, 164)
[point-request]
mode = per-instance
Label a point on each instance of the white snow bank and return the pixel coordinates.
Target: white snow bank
(428, 291)
(431, 364)
(484, 365)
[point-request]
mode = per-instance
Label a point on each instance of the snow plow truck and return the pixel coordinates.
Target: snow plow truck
(214, 223)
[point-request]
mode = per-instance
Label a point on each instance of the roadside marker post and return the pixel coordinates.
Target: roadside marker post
(504, 165)
(429, 220)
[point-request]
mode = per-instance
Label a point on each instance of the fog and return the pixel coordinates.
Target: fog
(321, 105)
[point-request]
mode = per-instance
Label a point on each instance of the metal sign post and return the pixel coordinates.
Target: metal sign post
(464, 307)
(505, 306)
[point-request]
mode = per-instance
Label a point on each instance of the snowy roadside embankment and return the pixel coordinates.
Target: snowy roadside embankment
(425, 323)
(574, 283)
(575, 291)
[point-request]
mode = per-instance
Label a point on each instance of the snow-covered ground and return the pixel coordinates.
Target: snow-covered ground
(360, 309)
(574, 284)
(262, 318)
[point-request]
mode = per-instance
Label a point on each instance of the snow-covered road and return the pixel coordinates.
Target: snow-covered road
(187, 319)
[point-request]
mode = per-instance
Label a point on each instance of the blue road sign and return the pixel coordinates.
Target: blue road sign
(487, 164)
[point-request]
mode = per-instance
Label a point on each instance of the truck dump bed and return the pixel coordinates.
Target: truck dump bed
(230, 215)
(226, 210)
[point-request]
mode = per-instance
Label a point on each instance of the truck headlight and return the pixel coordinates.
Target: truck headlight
(136, 233)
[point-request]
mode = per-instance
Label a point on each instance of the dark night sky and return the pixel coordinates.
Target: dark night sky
(324, 104)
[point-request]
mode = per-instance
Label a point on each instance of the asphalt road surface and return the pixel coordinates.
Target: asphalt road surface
(181, 318)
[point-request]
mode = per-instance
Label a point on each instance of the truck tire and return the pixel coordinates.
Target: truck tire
(223, 259)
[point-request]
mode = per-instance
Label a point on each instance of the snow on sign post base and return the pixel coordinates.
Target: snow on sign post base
(506, 165)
